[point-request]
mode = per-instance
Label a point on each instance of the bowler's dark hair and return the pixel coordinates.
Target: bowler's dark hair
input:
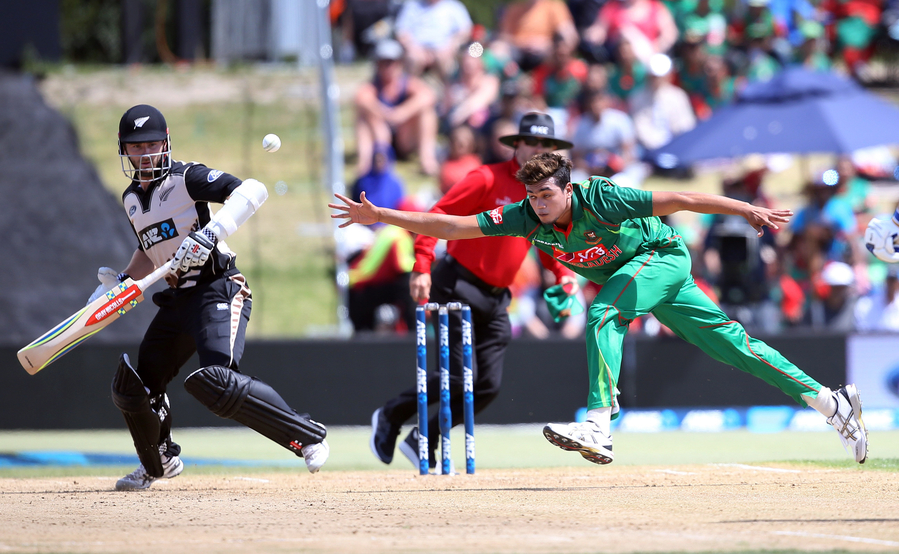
(545, 166)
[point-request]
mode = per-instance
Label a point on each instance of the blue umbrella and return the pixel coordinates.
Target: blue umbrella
(798, 111)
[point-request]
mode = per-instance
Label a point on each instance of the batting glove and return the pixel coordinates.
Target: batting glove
(880, 236)
(194, 251)
(108, 279)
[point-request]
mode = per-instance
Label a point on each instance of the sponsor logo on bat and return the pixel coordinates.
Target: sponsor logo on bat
(113, 305)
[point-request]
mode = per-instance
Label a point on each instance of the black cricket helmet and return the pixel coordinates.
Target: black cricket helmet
(143, 123)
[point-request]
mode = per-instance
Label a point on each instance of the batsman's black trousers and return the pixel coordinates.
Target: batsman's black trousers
(209, 319)
(450, 282)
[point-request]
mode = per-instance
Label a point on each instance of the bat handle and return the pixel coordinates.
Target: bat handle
(153, 277)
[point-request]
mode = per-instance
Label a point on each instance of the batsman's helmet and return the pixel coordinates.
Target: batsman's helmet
(143, 123)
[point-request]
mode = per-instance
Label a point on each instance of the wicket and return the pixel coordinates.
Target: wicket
(445, 412)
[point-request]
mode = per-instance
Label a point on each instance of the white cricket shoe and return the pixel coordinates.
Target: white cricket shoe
(316, 455)
(848, 422)
(139, 479)
(584, 437)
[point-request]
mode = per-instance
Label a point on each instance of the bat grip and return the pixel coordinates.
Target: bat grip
(153, 277)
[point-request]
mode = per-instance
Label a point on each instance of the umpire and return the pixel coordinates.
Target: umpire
(475, 272)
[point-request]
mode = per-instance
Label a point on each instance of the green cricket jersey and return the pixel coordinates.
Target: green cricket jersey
(609, 226)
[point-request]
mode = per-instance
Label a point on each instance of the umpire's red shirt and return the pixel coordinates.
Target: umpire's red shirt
(495, 260)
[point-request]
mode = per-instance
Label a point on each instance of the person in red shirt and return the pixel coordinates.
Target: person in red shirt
(474, 272)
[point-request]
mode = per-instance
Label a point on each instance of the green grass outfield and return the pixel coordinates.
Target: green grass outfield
(510, 446)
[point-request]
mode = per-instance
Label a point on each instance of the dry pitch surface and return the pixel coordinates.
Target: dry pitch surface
(717, 507)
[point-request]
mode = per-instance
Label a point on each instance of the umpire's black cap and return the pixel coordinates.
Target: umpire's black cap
(536, 125)
(143, 123)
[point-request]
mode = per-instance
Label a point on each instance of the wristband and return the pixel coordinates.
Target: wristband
(122, 277)
(210, 234)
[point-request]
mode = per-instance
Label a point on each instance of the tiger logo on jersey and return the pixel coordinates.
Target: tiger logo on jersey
(590, 237)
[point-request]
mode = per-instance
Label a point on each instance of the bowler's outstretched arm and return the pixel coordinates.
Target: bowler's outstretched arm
(441, 226)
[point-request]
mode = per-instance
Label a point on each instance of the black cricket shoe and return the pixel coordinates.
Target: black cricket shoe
(409, 448)
(383, 436)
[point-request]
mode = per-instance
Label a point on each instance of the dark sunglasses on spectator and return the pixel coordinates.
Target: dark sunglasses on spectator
(546, 143)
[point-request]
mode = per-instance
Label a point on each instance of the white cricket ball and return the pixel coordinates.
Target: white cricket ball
(271, 142)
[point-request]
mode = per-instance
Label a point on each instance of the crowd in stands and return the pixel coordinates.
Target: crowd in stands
(619, 78)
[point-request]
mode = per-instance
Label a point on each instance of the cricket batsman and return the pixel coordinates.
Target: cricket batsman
(205, 309)
(613, 236)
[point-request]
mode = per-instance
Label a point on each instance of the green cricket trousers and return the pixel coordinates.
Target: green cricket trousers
(658, 281)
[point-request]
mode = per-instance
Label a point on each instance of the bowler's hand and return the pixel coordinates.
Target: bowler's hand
(364, 212)
(760, 217)
(420, 286)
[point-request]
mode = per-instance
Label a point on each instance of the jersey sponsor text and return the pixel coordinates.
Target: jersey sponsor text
(158, 232)
(592, 257)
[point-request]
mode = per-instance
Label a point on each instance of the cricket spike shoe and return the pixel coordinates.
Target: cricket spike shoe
(848, 422)
(383, 436)
(409, 448)
(139, 479)
(585, 438)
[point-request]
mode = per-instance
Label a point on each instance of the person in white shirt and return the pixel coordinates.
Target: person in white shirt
(661, 110)
(431, 32)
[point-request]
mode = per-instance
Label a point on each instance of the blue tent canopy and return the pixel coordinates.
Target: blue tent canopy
(798, 111)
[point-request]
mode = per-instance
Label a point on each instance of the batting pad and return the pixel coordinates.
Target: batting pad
(130, 396)
(253, 403)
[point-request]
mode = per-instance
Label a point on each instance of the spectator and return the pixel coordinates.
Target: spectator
(737, 262)
(584, 12)
(853, 29)
(597, 80)
(628, 74)
(718, 89)
(711, 13)
(363, 23)
(834, 305)
(708, 15)
(810, 52)
(381, 181)
(431, 32)
(379, 297)
(761, 65)
(558, 81)
(646, 24)
(852, 187)
(879, 309)
(661, 110)
(826, 229)
(691, 67)
(468, 97)
(462, 157)
(529, 26)
(789, 17)
(395, 108)
(751, 12)
(605, 143)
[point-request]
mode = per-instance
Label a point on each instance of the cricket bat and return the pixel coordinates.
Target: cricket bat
(81, 325)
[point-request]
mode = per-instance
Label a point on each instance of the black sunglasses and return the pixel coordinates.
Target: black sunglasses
(546, 143)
